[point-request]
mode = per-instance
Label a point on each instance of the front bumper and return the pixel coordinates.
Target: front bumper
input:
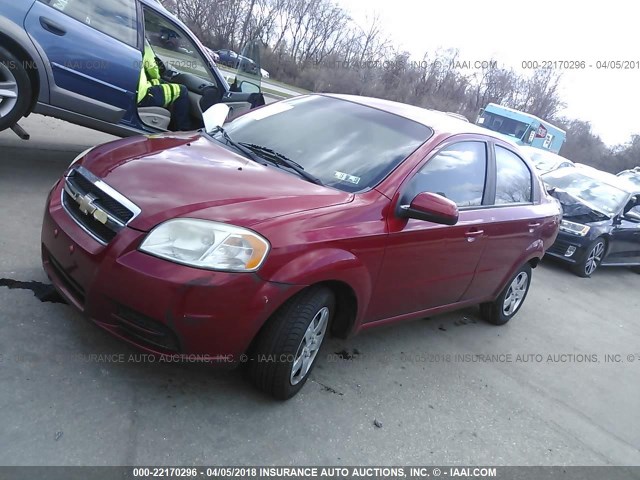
(569, 248)
(158, 306)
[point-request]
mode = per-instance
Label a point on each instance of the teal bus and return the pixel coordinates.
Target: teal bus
(522, 128)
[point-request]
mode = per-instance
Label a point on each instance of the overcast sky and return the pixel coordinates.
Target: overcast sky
(512, 32)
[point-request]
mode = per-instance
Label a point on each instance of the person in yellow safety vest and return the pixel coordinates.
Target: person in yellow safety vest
(155, 92)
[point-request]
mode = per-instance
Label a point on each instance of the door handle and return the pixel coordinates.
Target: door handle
(52, 26)
(533, 226)
(473, 234)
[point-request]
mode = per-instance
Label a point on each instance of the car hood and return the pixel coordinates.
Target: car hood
(173, 175)
(576, 210)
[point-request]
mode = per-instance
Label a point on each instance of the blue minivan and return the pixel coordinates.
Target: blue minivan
(80, 61)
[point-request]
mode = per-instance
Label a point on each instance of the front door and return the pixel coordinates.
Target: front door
(92, 49)
(624, 246)
(426, 264)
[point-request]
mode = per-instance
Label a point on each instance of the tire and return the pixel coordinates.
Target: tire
(281, 360)
(510, 300)
(15, 89)
(591, 261)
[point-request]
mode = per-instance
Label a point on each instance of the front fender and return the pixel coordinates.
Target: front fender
(326, 265)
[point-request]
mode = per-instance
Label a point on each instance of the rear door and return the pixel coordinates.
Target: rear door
(513, 222)
(92, 49)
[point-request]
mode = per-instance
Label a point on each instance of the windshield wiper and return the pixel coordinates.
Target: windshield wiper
(282, 160)
(238, 146)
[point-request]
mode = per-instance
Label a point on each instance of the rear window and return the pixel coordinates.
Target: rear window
(513, 182)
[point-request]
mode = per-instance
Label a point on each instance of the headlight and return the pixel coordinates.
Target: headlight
(81, 155)
(574, 228)
(206, 244)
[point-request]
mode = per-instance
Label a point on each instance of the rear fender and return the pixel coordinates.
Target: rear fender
(534, 251)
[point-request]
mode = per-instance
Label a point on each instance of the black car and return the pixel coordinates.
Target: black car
(228, 57)
(601, 219)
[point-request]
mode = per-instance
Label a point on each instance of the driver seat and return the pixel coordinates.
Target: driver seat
(157, 117)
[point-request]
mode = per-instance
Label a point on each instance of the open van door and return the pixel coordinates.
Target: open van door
(246, 90)
(248, 72)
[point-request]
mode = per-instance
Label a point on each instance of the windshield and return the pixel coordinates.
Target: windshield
(595, 193)
(504, 125)
(343, 144)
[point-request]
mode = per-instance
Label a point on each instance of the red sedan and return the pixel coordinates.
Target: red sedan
(322, 213)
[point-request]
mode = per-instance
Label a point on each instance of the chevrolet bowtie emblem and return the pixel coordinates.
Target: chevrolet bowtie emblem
(86, 206)
(85, 203)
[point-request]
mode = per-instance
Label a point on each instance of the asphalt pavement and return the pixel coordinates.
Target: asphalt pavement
(448, 390)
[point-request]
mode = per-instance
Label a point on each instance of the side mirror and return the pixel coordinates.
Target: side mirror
(215, 116)
(632, 216)
(248, 87)
(431, 207)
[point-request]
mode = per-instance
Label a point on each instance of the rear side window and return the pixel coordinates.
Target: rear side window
(457, 172)
(116, 18)
(513, 182)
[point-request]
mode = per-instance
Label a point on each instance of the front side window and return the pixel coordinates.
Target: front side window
(346, 145)
(174, 47)
(116, 18)
(513, 181)
(457, 172)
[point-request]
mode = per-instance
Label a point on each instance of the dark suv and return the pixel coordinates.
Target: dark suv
(80, 61)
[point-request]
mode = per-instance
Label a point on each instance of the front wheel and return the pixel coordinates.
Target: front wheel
(15, 89)
(510, 300)
(286, 349)
(591, 261)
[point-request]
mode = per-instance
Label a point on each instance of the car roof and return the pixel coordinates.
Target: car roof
(630, 171)
(441, 122)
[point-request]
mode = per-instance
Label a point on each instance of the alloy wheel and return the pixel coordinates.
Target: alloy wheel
(594, 258)
(8, 91)
(515, 294)
(309, 346)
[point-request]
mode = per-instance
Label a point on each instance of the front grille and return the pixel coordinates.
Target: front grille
(559, 247)
(97, 229)
(119, 211)
(146, 331)
(97, 208)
